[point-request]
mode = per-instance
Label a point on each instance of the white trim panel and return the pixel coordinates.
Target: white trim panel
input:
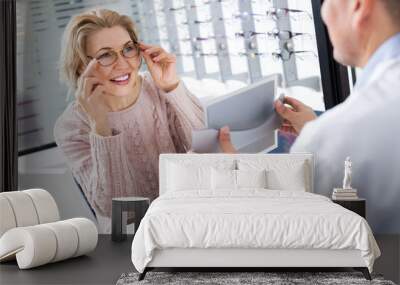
(194, 257)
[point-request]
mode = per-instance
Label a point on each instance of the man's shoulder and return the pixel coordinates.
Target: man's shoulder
(391, 67)
(380, 94)
(367, 112)
(386, 77)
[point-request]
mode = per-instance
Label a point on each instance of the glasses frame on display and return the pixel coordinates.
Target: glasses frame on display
(277, 13)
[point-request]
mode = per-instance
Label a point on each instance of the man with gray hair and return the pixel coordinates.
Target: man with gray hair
(366, 127)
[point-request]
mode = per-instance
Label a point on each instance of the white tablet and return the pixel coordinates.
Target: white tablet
(246, 108)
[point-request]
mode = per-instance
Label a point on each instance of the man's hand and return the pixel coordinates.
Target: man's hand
(294, 116)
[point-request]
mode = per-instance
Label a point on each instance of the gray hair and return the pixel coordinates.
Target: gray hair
(393, 8)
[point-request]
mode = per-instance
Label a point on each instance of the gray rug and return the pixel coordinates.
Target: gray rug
(243, 278)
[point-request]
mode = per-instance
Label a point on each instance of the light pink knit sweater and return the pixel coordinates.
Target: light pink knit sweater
(126, 164)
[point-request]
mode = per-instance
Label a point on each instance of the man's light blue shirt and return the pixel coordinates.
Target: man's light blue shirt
(390, 49)
(364, 127)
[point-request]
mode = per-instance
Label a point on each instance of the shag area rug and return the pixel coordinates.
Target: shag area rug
(244, 278)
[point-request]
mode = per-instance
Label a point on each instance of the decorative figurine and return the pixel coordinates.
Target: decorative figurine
(347, 192)
(347, 174)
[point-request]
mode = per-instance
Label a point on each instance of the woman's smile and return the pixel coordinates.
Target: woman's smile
(121, 79)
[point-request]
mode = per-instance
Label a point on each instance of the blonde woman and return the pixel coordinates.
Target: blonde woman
(120, 122)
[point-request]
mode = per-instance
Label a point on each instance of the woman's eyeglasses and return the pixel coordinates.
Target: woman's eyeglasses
(110, 56)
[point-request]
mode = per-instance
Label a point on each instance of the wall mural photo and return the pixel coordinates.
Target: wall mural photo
(108, 86)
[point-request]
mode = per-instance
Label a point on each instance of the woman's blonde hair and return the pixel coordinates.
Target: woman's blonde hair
(73, 57)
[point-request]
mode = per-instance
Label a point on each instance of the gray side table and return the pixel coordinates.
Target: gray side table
(120, 208)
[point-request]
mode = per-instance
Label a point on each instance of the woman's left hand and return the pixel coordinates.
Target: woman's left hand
(162, 66)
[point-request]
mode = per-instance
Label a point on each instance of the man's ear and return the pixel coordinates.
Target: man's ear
(362, 11)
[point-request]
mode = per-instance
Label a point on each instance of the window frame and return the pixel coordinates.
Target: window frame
(8, 97)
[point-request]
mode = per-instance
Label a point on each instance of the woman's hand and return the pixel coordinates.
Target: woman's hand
(90, 96)
(225, 143)
(295, 116)
(162, 66)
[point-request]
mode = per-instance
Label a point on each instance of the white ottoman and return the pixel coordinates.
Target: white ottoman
(31, 233)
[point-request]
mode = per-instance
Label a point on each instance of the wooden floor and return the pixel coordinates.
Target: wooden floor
(110, 260)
